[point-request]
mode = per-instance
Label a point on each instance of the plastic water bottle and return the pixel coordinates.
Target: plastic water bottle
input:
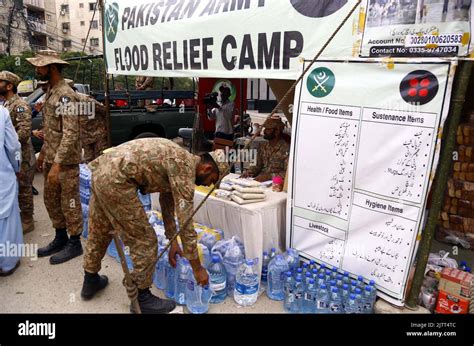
(367, 301)
(292, 257)
(346, 278)
(217, 280)
(314, 273)
(312, 265)
(273, 253)
(334, 273)
(305, 267)
(332, 284)
(359, 300)
(197, 297)
(170, 281)
(159, 279)
(360, 282)
(353, 286)
(289, 294)
(328, 275)
(265, 262)
(307, 277)
(181, 279)
(299, 271)
(322, 268)
(351, 306)
(345, 293)
(298, 290)
(322, 300)
(276, 276)
(233, 259)
(309, 306)
(335, 303)
(321, 280)
(246, 283)
(339, 281)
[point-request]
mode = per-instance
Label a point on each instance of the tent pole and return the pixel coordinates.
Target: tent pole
(105, 75)
(441, 179)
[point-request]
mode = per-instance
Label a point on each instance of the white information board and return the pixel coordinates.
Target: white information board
(363, 146)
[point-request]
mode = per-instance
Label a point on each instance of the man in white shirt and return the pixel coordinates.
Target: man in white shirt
(223, 114)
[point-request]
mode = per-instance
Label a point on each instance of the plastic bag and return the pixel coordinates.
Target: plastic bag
(224, 247)
(441, 259)
(208, 236)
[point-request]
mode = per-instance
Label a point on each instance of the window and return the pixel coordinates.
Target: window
(81, 5)
(66, 26)
(67, 43)
(94, 24)
(48, 17)
(91, 6)
(82, 23)
(94, 42)
(65, 8)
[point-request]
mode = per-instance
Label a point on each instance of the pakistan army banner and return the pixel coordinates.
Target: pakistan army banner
(224, 38)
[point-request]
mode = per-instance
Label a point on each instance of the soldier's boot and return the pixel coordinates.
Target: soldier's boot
(150, 304)
(72, 249)
(93, 283)
(28, 224)
(58, 243)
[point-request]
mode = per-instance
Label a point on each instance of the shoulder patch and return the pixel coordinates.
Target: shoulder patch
(20, 109)
(65, 99)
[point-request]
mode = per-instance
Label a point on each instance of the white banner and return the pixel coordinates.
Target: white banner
(224, 38)
(364, 143)
(417, 28)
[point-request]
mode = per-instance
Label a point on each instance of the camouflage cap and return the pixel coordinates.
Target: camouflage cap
(273, 122)
(45, 58)
(69, 82)
(222, 165)
(10, 77)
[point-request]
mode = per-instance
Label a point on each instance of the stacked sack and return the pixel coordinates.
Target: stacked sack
(242, 191)
(85, 195)
(456, 221)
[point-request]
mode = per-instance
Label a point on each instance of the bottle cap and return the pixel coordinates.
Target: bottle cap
(322, 286)
(321, 276)
(372, 283)
(305, 265)
(215, 259)
(265, 253)
(346, 274)
(312, 261)
(334, 269)
(249, 262)
(315, 271)
(358, 291)
(360, 278)
(368, 288)
(311, 281)
(332, 282)
(334, 290)
(345, 287)
(289, 274)
(308, 274)
(352, 296)
(339, 276)
(323, 265)
(298, 279)
(273, 249)
(299, 270)
(353, 283)
(328, 272)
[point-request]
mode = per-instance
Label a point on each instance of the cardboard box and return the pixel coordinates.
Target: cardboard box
(451, 304)
(456, 282)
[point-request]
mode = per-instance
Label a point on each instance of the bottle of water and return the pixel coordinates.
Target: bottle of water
(246, 283)
(335, 304)
(159, 279)
(273, 253)
(265, 262)
(321, 280)
(299, 271)
(353, 286)
(181, 280)
(197, 297)
(312, 265)
(346, 278)
(360, 282)
(298, 290)
(332, 284)
(359, 300)
(276, 275)
(322, 268)
(307, 277)
(334, 273)
(292, 257)
(305, 267)
(367, 302)
(233, 259)
(289, 294)
(339, 281)
(217, 280)
(170, 281)
(314, 273)
(310, 297)
(322, 300)
(345, 293)
(328, 275)
(352, 306)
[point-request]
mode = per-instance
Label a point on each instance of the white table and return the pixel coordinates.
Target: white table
(260, 226)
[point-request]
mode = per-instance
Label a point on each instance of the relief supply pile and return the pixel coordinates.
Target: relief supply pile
(242, 191)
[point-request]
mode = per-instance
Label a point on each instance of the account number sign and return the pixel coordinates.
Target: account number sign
(364, 146)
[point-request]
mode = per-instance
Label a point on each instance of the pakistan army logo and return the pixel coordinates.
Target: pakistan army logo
(320, 82)
(317, 8)
(111, 22)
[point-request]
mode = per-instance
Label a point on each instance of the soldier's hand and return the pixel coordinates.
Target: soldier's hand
(200, 273)
(39, 162)
(174, 250)
(38, 134)
(263, 177)
(53, 175)
(246, 174)
(38, 106)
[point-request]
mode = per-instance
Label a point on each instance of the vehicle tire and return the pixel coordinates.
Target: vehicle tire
(146, 135)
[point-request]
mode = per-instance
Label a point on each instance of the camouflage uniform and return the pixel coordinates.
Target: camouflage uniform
(271, 160)
(93, 129)
(150, 165)
(20, 114)
(146, 83)
(62, 145)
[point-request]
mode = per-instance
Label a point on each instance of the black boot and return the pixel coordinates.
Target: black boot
(93, 283)
(35, 192)
(150, 304)
(72, 249)
(58, 243)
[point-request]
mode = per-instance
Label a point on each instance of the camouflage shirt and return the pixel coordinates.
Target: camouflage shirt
(145, 82)
(20, 114)
(92, 126)
(153, 165)
(272, 160)
(61, 126)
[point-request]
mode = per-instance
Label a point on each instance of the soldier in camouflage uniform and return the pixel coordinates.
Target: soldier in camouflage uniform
(272, 158)
(93, 126)
(59, 159)
(20, 114)
(144, 83)
(149, 165)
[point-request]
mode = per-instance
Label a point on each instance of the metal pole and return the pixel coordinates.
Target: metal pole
(105, 75)
(441, 179)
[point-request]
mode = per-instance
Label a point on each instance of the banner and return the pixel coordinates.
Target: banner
(364, 145)
(224, 38)
(417, 28)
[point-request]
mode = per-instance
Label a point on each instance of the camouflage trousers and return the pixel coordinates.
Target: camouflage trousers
(117, 208)
(62, 201)
(25, 194)
(94, 150)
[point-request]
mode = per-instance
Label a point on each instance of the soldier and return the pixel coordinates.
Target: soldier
(144, 83)
(93, 126)
(150, 165)
(59, 159)
(20, 114)
(272, 158)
